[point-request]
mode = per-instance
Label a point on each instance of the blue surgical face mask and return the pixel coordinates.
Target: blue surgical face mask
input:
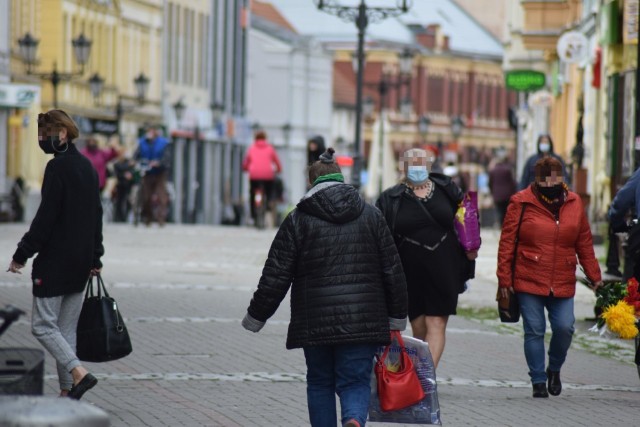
(417, 175)
(545, 147)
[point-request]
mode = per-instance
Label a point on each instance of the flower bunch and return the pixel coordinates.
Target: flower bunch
(620, 306)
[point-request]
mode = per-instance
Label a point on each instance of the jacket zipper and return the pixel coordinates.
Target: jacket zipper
(555, 247)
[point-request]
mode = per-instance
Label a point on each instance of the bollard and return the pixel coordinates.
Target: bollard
(30, 411)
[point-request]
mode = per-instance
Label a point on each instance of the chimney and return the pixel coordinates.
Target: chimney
(445, 44)
(427, 36)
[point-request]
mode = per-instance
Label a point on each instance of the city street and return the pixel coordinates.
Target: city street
(183, 291)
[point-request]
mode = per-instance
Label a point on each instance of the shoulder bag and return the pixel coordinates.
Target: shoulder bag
(508, 307)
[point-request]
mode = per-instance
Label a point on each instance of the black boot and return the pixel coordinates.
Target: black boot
(553, 381)
(540, 390)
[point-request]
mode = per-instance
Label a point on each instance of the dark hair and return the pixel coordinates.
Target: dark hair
(261, 135)
(547, 136)
(324, 166)
(59, 119)
(546, 165)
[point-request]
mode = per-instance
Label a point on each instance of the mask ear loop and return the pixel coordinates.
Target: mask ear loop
(59, 151)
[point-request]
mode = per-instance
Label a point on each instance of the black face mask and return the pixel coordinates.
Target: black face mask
(52, 145)
(552, 192)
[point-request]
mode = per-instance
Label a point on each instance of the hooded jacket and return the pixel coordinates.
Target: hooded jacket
(337, 255)
(547, 249)
(259, 161)
(528, 172)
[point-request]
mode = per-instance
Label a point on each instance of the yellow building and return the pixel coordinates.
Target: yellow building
(126, 41)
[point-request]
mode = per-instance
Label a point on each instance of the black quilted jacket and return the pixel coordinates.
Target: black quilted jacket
(337, 255)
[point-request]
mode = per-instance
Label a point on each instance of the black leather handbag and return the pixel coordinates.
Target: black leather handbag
(509, 308)
(101, 333)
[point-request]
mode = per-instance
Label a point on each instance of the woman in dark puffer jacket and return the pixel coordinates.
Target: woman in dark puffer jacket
(347, 291)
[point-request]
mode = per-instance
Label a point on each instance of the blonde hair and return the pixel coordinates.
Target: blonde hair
(407, 157)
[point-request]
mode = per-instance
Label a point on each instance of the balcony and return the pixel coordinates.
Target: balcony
(546, 20)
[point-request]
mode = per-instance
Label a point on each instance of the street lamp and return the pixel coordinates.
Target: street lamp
(28, 51)
(217, 109)
(457, 124)
(361, 15)
(423, 127)
(179, 109)
(96, 85)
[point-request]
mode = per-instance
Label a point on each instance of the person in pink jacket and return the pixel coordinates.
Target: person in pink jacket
(262, 163)
(99, 158)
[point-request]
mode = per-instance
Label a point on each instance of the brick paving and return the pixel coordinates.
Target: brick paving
(184, 289)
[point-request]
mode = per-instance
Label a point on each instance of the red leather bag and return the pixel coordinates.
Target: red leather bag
(398, 386)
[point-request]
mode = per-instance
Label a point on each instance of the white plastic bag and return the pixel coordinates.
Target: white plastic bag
(427, 411)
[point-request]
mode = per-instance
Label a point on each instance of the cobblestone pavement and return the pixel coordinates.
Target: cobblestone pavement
(184, 289)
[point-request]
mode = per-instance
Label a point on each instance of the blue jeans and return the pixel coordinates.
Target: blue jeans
(561, 319)
(342, 369)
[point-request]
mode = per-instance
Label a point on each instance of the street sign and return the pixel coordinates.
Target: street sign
(524, 80)
(572, 47)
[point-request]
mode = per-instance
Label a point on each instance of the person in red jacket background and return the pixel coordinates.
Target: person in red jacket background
(554, 230)
(262, 163)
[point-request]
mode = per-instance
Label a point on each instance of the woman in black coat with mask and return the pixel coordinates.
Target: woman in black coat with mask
(66, 233)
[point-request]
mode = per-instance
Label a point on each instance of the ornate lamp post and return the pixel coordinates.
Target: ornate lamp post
(29, 48)
(141, 82)
(361, 15)
(423, 127)
(457, 124)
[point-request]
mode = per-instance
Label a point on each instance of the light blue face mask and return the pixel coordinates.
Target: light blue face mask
(417, 175)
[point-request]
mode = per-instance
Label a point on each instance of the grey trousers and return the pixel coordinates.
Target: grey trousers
(53, 323)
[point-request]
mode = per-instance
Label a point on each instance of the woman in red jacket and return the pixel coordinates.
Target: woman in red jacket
(554, 230)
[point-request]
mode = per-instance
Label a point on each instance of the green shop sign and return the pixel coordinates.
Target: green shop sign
(524, 80)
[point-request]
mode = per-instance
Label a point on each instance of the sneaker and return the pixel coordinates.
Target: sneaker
(352, 423)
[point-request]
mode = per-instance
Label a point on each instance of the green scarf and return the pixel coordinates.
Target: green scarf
(329, 177)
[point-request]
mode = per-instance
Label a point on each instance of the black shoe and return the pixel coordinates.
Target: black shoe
(540, 390)
(85, 384)
(553, 381)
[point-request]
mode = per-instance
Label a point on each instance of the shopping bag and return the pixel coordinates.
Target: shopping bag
(427, 410)
(101, 333)
(397, 382)
(467, 223)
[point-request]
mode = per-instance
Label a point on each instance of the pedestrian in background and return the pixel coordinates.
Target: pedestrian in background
(347, 292)
(100, 158)
(420, 212)
(124, 169)
(502, 184)
(625, 205)
(154, 158)
(553, 230)
(544, 148)
(66, 233)
(315, 147)
(262, 163)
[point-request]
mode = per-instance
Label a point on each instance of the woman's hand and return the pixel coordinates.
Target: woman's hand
(504, 292)
(471, 255)
(95, 271)
(14, 267)
(596, 285)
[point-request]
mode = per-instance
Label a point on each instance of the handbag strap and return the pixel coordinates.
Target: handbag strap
(394, 334)
(101, 288)
(515, 244)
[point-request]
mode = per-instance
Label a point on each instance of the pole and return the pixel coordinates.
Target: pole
(119, 114)
(55, 81)
(361, 22)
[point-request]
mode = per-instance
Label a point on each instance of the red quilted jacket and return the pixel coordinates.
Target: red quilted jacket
(546, 259)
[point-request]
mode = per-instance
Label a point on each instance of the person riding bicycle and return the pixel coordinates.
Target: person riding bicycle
(153, 156)
(262, 163)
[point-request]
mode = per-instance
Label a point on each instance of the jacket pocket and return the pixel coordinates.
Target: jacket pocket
(530, 256)
(572, 260)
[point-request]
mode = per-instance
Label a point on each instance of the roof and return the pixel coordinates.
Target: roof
(467, 35)
(268, 12)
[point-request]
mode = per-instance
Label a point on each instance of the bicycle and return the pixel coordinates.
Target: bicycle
(21, 369)
(260, 206)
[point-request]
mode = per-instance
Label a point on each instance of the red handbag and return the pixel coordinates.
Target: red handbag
(397, 389)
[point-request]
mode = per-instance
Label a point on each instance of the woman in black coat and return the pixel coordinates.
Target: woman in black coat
(66, 233)
(420, 213)
(347, 291)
